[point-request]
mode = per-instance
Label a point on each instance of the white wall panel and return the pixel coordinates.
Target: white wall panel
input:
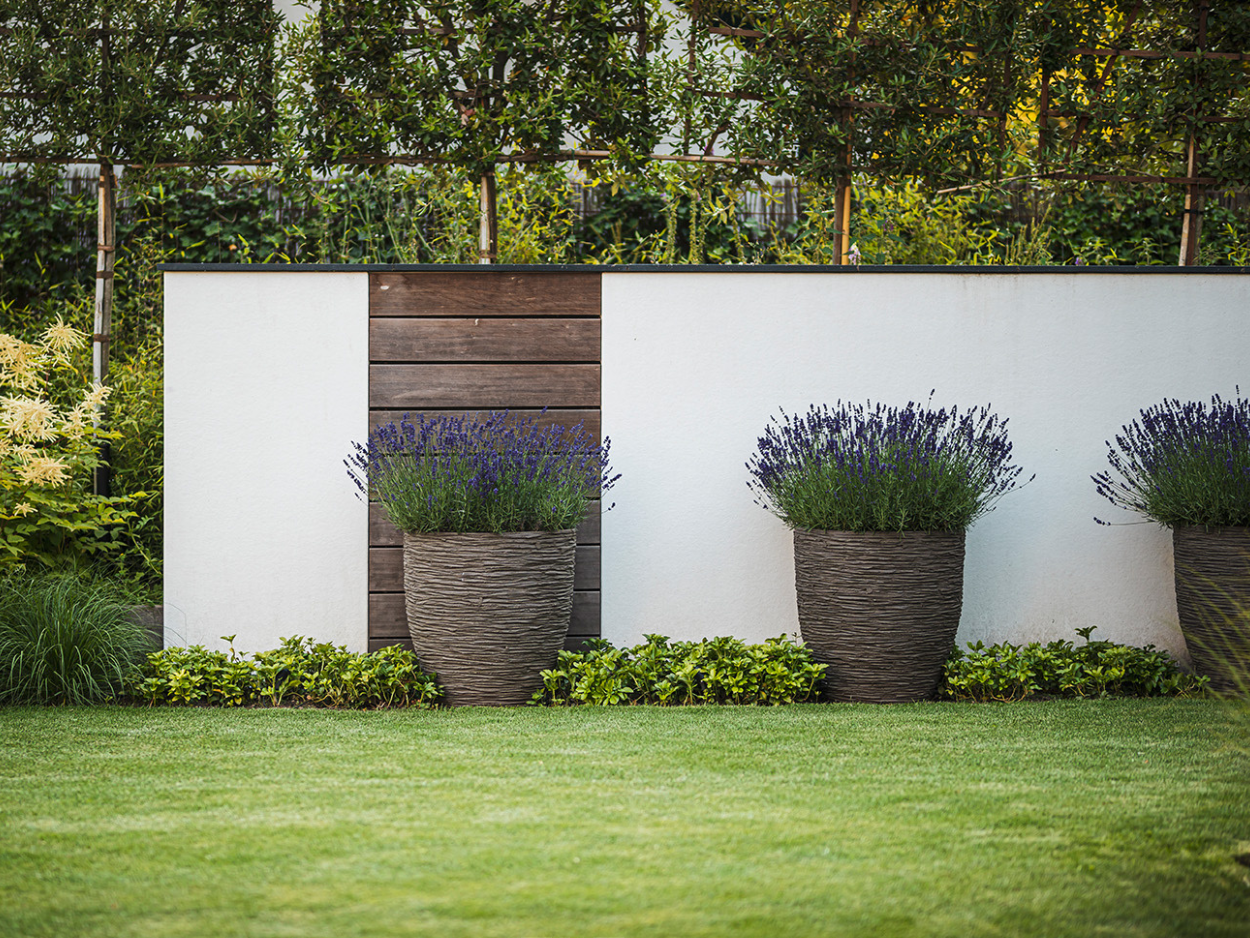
(695, 363)
(266, 385)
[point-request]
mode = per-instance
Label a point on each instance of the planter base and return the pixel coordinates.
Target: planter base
(880, 608)
(1213, 603)
(488, 612)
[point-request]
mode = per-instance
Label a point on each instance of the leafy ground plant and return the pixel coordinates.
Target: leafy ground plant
(1007, 672)
(1078, 818)
(65, 639)
(712, 671)
(298, 673)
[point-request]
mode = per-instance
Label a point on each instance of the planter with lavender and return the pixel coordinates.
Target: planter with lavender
(879, 499)
(1186, 466)
(488, 508)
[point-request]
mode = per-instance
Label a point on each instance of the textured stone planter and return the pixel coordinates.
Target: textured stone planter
(1213, 602)
(488, 612)
(881, 609)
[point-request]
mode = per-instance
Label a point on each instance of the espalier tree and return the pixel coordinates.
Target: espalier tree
(959, 93)
(479, 83)
(136, 83)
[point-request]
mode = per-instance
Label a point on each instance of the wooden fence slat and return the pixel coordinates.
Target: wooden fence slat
(503, 385)
(387, 618)
(386, 568)
(489, 293)
(384, 534)
(484, 340)
(590, 419)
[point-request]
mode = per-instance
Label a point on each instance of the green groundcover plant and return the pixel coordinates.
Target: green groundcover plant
(876, 468)
(1183, 464)
(65, 639)
(1061, 669)
(712, 671)
(493, 474)
(298, 673)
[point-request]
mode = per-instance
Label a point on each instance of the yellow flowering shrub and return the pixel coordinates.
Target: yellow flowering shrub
(48, 453)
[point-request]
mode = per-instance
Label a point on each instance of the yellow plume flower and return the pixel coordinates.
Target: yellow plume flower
(41, 470)
(19, 363)
(28, 418)
(62, 338)
(23, 508)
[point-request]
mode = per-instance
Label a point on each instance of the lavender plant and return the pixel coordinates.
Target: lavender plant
(496, 474)
(875, 468)
(1183, 463)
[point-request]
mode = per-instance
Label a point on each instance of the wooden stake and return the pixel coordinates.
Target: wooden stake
(488, 224)
(106, 236)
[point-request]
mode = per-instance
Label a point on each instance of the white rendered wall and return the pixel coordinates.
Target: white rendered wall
(695, 364)
(266, 385)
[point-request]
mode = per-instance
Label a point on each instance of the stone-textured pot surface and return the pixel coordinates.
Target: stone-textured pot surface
(1213, 602)
(880, 608)
(488, 612)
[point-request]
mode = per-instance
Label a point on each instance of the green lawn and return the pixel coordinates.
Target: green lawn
(1070, 818)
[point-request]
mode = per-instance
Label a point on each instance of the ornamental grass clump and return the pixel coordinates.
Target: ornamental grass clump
(1183, 464)
(65, 639)
(870, 467)
(497, 474)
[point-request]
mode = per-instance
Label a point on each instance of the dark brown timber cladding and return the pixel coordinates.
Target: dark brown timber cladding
(460, 342)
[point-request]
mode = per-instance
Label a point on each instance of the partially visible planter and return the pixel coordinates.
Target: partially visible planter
(1213, 602)
(152, 618)
(488, 612)
(881, 608)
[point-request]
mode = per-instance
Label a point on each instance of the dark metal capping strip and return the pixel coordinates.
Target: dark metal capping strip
(682, 269)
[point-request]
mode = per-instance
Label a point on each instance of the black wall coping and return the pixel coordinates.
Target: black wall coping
(687, 269)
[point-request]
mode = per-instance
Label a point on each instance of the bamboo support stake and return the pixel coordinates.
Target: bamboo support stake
(488, 224)
(103, 321)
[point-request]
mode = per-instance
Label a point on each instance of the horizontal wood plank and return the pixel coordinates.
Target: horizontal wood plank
(384, 534)
(502, 385)
(387, 618)
(590, 418)
(386, 569)
(484, 340)
(485, 293)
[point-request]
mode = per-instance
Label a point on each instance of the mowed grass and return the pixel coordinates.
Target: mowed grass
(1080, 818)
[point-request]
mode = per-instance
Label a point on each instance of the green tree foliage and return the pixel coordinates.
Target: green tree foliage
(137, 80)
(477, 82)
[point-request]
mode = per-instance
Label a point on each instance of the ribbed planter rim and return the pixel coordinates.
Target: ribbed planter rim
(488, 612)
(880, 608)
(1212, 572)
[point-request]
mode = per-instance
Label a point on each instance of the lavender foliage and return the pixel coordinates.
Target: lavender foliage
(1183, 463)
(870, 467)
(496, 474)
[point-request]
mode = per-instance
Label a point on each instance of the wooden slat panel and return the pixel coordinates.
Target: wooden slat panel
(503, 385)
(591, 420)
(384, 534)
(484, 340)
(386, 569)
(488, 293)
(388, 620)
(586, 613)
